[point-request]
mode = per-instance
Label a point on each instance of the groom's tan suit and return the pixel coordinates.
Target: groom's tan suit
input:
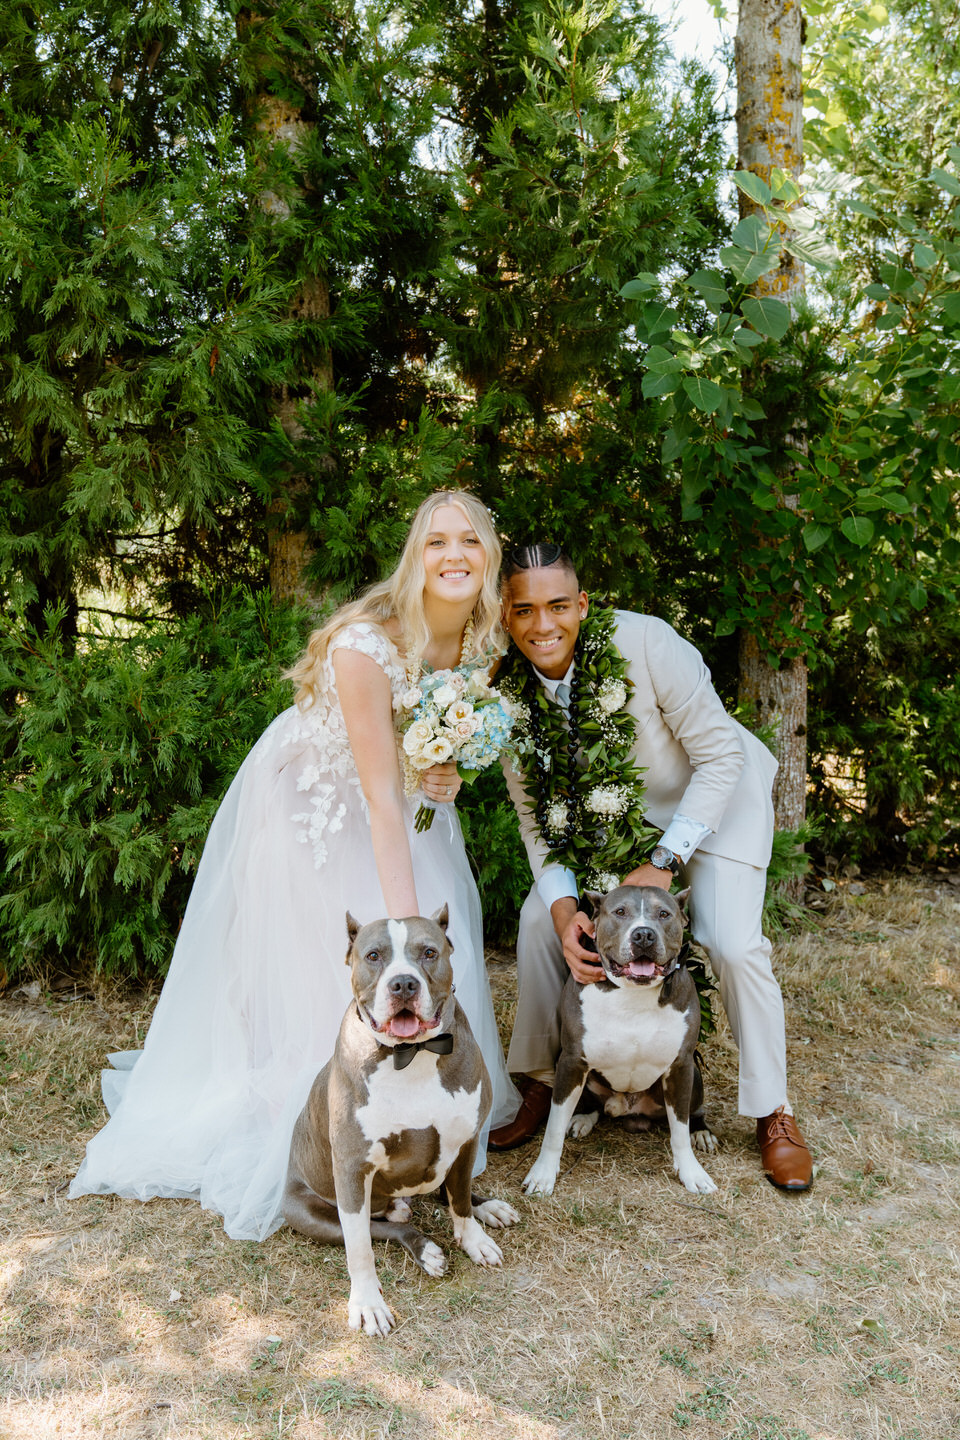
(701, 764)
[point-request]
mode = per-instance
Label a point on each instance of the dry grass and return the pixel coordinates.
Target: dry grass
(625, 1307)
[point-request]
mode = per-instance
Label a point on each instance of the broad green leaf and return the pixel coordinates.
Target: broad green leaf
(747, 267)
(896, 277)
(858, 529)
(635, 289)
(749, 338)
(752, 233)
(656, 318)
(710, 287)
(950, 387)
(876, 292)
(725, 627)
(917, 595)
(654, 384)
(890, 319)
(706, 394)
(661, 361)
(672, 446)
(753, 186)
(770, 317)
(925, 257)
(860, 207)
(815, 535)
(949, 303)
(945, 181)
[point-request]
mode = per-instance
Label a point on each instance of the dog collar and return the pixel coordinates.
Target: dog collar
(405, 1051)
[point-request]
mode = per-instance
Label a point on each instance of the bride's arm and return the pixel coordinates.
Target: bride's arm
(366, 702)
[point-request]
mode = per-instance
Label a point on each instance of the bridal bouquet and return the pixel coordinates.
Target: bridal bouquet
(450, 715)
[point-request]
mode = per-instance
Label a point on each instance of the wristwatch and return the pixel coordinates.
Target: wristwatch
(664, 859)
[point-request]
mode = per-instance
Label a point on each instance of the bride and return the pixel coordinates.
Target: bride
(314, 824)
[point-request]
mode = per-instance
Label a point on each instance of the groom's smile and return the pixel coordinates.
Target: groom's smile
(542, 609)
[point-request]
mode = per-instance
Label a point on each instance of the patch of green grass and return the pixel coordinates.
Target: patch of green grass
(767, 1427)
(680, 1359)
(711, 1404)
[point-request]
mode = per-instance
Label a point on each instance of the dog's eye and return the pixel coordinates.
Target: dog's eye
(620, 910)
(429, 953)
(664, 915)
(373, 956)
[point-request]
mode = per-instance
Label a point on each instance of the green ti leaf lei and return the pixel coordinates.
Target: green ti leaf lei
(590, 816)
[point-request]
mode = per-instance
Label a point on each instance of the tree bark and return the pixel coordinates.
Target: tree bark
(768, 55)
(277, 120)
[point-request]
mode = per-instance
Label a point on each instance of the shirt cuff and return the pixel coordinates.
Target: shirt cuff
(683, 835)
(557, 883)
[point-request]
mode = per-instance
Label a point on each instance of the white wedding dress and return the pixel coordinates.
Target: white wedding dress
(258, 983)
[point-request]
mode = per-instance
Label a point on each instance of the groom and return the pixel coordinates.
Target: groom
(708, 784)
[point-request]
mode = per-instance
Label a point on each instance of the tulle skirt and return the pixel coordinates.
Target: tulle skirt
(257, 988)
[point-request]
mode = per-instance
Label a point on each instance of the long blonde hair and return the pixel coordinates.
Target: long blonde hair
(400, 598)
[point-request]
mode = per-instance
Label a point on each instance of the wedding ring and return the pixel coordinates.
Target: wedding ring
(447, 789)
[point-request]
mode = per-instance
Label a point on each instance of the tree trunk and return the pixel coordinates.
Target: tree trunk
(768, 53)
(277, 120)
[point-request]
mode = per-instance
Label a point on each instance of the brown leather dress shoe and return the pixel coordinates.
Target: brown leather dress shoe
(534, 1108)
(784, 1156)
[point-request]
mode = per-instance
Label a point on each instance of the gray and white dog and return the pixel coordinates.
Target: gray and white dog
(636, 1027)
(396, 1112)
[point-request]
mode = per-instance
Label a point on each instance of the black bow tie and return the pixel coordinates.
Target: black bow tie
(405, 1051)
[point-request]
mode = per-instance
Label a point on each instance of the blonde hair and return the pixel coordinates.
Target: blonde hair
(400, 598)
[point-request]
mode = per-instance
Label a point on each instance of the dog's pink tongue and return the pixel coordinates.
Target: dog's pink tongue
(643, 969)
(404, 1025)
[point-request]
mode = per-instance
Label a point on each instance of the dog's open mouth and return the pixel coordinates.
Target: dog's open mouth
(638, 970)
(404, 1025)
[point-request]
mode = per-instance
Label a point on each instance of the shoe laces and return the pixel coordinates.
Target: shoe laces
(779, 1126)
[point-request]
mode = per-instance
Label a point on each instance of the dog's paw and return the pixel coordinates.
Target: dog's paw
(474, 1242)
(399, 1211)
(495, 1212)
(540, 1179)
(369, 1312)
(705, 1141)
(616, 1105)
(432, 1259)
(581, 1125)
(693, 1176)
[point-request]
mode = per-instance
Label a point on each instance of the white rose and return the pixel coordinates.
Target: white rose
(459, 710)
(478, 686)
(438, 750)
(419, 733)
(466, 727)
(444, 696)
(607, 882)
(458, 682)
(411, 698)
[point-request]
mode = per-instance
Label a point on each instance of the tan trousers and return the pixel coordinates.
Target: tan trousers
(726, 905)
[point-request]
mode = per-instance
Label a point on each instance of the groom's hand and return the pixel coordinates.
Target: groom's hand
(570, 924)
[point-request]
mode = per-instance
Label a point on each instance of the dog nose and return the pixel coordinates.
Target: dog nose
(642, 937)
(404, 987)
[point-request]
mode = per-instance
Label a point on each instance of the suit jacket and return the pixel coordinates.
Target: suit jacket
(698, 761)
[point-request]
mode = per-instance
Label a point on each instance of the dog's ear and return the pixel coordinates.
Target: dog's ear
(353, 930)
(592, 899)
(441, 917)
(681, 897)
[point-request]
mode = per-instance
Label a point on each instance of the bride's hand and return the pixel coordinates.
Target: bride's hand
(441, 783)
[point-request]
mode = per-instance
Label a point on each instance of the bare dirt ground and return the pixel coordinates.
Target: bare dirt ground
(625, 1307)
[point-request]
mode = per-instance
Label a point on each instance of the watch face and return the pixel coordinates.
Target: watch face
(661, 858)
